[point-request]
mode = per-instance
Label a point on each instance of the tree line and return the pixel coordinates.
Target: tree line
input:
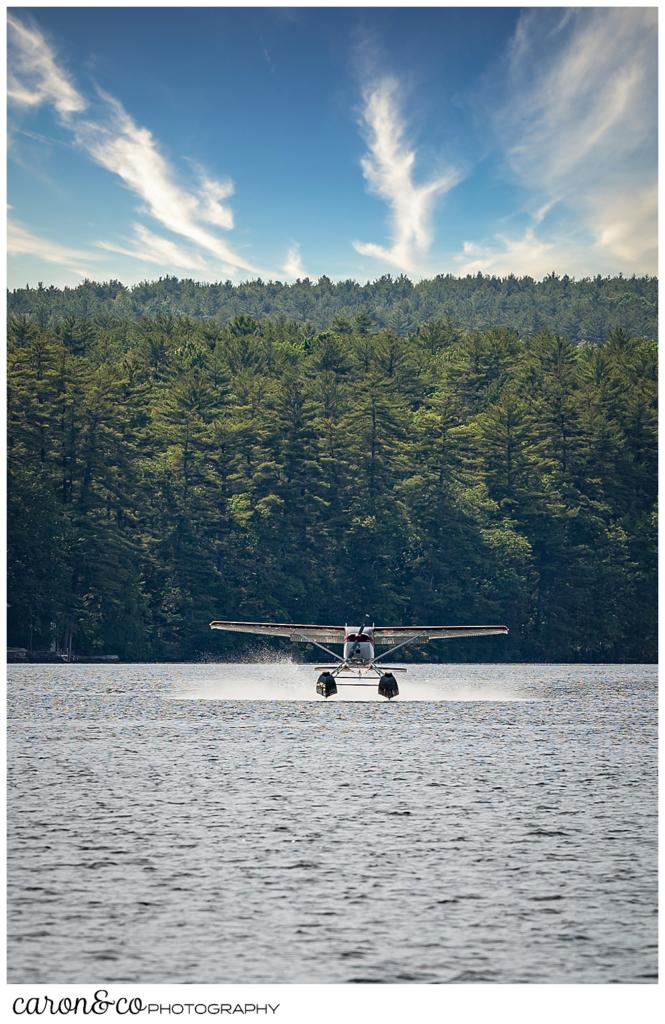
(166, 469)
(581, 310)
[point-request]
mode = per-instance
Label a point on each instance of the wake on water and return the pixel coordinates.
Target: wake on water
(284, 680)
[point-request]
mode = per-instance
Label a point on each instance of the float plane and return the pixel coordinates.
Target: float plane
(358, 661)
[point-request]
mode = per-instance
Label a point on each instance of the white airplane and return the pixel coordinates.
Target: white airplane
(358, 660)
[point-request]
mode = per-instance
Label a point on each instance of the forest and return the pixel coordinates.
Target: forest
(453, 451)
(581, 310)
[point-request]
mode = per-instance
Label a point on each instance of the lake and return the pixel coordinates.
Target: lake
(221, 823)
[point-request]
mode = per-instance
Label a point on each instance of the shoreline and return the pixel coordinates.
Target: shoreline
(114, 661)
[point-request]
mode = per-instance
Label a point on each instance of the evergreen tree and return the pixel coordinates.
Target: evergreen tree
(476, 448)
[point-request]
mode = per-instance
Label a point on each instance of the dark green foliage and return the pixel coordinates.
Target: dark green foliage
(421, 454)
(584, 310)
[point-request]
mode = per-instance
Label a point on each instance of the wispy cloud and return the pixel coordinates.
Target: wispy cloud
(21, 241)
(110, 136)
(131, 152)
(388, 169)
(582, 91)
(579, 133)
(525, 254)
(211, 194)
(529, 254)
(33, 74)
(149, 247)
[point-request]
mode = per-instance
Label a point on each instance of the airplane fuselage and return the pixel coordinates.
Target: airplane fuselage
(359, 646)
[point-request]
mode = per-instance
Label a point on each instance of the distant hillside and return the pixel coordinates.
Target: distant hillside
(169, 469)
(585, 310)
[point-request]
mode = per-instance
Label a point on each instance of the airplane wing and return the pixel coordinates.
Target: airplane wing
(296, 632)
(384, 635)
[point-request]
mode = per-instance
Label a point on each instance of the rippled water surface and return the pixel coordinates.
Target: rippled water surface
(221, 823)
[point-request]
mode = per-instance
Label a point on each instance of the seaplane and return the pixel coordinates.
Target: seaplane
(358, 665)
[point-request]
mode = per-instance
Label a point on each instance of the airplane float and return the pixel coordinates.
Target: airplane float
(359, 661)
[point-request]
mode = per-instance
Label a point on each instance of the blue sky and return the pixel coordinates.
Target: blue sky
(221, 143)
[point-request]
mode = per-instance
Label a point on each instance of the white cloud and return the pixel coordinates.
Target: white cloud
(152, 248)
(582, 95)
(21, 241)
(293, 267)
(625, 225)
(131, 152)
(34, 77)
(524, 255)
(75, 264)
(579, 130)
(211, 194)
(388, 169)
(117, 143)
